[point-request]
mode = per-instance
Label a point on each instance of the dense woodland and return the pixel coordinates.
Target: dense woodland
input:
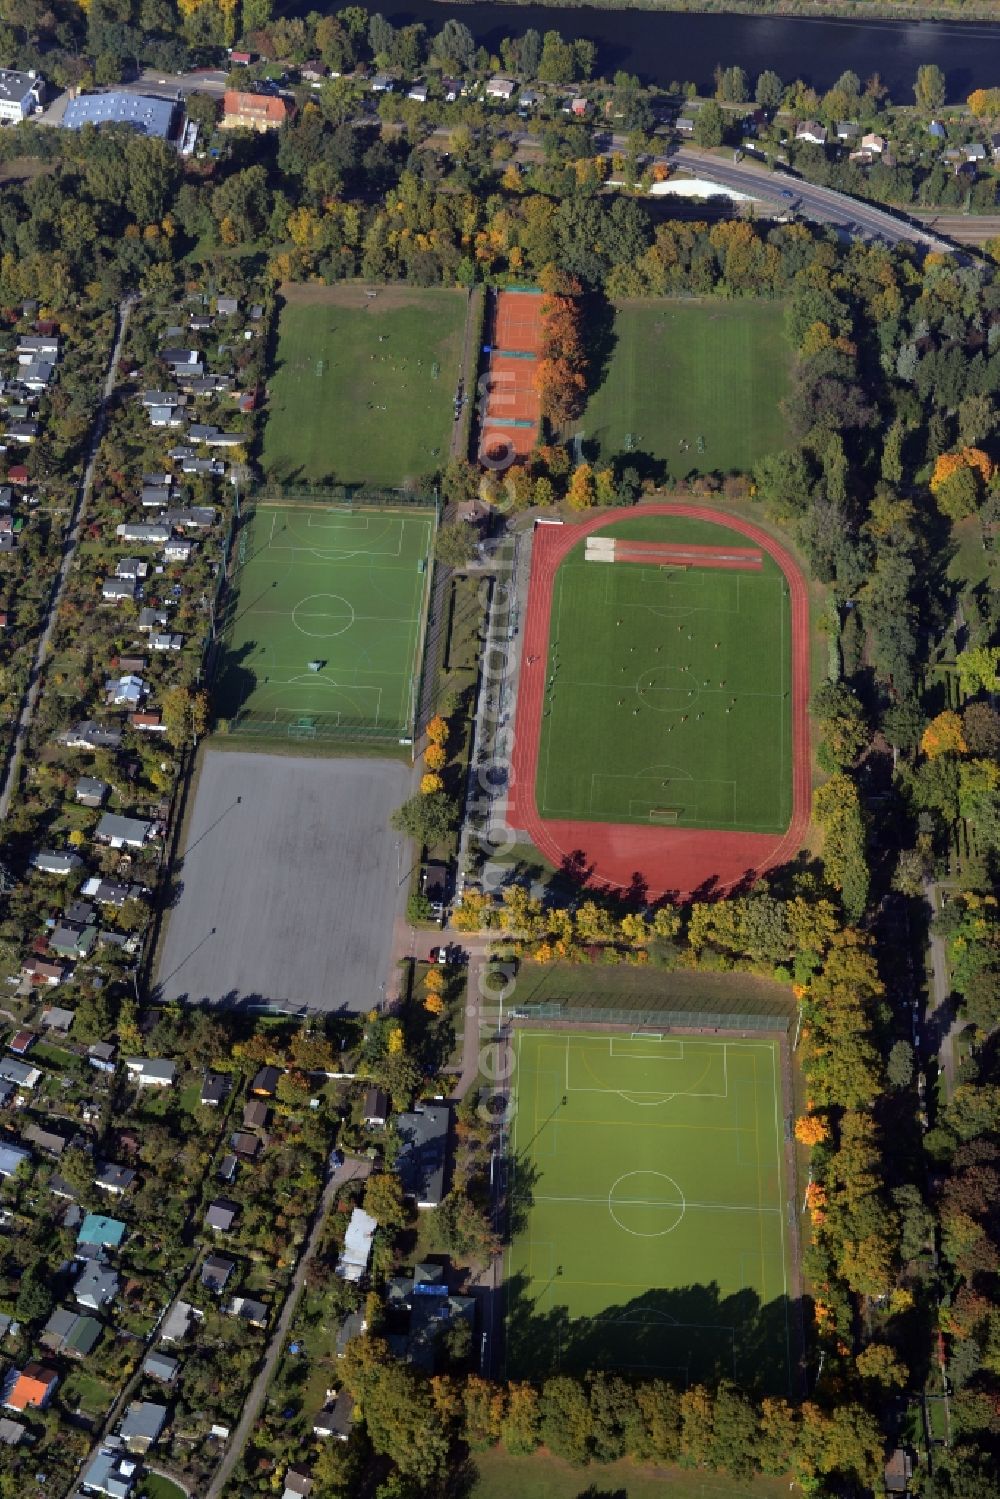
(888, 481)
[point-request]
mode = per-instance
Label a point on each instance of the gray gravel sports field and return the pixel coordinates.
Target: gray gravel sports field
(288, 883)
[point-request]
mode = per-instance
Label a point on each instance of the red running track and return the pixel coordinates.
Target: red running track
(675, 862)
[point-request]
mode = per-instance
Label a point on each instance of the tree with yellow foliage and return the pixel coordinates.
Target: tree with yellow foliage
(434, 1004)
(430, 783)
(434, 981)
(582, 493)
(437, 730)
(943, 736)
(811, 1130)
(435, 757)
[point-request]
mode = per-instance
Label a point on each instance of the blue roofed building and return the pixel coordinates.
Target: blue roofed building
(141, 112)
(100, 1232)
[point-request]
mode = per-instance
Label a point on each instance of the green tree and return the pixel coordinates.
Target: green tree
(455, 545)
(929, 89)
(709, 125)
(427, 819)
(566, 1419)
(34, 1298)
(731, 85)
(769, 89)
(384, 1199)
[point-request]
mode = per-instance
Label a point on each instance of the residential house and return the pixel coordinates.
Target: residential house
(382, 83)
(151, 1072)
(418, 93)
(975, 151)
(848, 130)
(214, 1090)
(354, 1325)
(21, 94)
(265, 1083)
(153, 619)
(24, 433)
(227, 306)
(92, 736)
(245, 1145)
(221, 1215)
(422, 1158)
(39, 972)
(131, 568)
(452, 88)
(874, 143)
(123, 832)
(152, 533)
(684, 125)
(110, 892)
(90, 792)
(155, 496)
(260, 112)
(12, 1158)
(353, 1261)
(166, 416)
(143, 113)
(177, 1323)
(54, 861)
(49, 1140)
(126, 692)
(147, 723)
(500, 88)
(298, 1485)
(19, 1074)
(812, 133)
(193, 517)
(97, 1286)
(141, 1424)
(255, 1114)
(336, 1418)
(70, 1333)
(178, 549)
(579, 106)
(114, 1179)
(117, 590)
(375, 1110)
(937, 130)
(11, 1432)
(898, 1472)
(248, 1310)
(31, 1388)
(151, 398)
(528, 99)
(98, 1232)
(55, 1018)
(161, 1367)
(166, 643)
(21, 1042)
(111, 1473)
(424, 1297)
(101, 1056)
(215, 1271)
(71, 939)
(228, 1168)
(995, 145)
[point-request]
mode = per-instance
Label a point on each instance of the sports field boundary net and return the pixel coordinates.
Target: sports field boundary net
(350, 496)
(758, 1016)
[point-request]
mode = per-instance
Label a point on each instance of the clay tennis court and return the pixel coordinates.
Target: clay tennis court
(675, 861)
(511, 411)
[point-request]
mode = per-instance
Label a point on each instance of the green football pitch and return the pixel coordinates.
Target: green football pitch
(670, 694)
(325, 623)
(695, 386)
(649, 1207)
(363, 388)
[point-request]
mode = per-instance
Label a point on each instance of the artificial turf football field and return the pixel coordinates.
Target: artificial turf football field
(650, 1207)
(668, 690)
(344, 588)
(695, 386)
(362, 388)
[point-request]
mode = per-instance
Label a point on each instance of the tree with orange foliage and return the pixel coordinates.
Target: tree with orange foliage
(434, 1004)
(437, 730)
(949, 463)
(559, 376)
(811, 1130)
(984, 102)
(943, 736)
(582, 492)
(435, 757)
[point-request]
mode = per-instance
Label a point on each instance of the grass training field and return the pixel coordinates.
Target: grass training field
(363, 388)
(649, 1207)
(346, 589)
(694, 386)
(670, 697)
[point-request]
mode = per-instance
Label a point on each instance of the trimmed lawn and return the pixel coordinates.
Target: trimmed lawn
(363, 388)
(324, 625)
(649, 1208)
(694, 386)
(543, 1477)
(669, 687)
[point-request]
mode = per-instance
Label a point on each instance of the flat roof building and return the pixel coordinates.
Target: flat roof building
(146, 115)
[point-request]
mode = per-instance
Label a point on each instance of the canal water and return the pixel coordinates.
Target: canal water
(663, 46)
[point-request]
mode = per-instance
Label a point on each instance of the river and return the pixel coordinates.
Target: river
(661, 46)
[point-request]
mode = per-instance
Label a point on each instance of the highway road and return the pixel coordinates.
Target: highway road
(811, 202)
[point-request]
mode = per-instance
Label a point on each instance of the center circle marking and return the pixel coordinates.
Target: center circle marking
(345, 613)
(646, 1189)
